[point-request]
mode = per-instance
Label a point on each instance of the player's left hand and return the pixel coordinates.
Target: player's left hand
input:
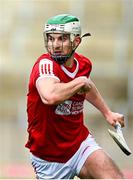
(113, 117)
(83, 90)
(86, 88)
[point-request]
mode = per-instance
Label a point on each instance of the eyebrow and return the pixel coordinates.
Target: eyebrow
(64, 35)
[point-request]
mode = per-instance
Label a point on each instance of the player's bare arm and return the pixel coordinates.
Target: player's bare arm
(95, 98)
(52, 91)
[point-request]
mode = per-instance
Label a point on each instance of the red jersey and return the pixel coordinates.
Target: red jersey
(56, 131)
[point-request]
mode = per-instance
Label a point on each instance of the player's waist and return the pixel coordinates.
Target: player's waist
(61, 153)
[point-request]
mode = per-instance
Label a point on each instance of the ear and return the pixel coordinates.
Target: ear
(77, 41)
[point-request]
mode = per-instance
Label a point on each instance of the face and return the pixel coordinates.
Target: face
(59, 44)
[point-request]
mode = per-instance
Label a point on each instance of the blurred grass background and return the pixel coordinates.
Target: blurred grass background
(110, 48)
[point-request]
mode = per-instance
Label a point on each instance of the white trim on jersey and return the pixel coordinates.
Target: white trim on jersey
(42, 77)
(46, 70)
(71, 74)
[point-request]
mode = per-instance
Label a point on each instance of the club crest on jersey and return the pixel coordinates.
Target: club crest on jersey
(69, 108)
(64, 108)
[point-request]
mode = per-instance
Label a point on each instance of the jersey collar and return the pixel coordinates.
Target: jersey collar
(71, 74)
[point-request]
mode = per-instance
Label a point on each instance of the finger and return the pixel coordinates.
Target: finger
(113, 123)
(121, 120)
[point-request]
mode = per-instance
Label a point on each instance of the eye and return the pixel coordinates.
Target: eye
(64, 37)
(50, 38)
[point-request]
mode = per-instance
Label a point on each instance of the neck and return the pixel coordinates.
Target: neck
(69, 62)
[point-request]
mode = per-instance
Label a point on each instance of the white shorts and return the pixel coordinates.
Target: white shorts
(52, 170)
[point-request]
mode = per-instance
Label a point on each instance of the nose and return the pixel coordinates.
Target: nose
(56, 44)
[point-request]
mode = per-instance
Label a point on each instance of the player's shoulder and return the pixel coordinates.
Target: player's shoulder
(83, 59)
(44, 59)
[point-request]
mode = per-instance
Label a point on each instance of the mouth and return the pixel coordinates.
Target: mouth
(57, 52)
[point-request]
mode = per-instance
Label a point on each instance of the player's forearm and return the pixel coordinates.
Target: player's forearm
(63, 91)
(55, 92)
(95, 98)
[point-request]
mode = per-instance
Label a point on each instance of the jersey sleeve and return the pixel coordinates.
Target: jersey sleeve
(44, 68)
(87, 66)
